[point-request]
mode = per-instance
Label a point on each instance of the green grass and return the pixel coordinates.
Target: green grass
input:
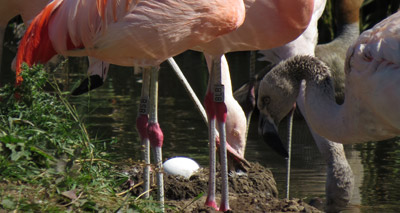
(48, 162)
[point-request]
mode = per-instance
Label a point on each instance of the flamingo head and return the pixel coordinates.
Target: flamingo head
(277, 94)
(236, 161)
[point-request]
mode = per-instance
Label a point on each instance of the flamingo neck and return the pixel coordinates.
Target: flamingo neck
(349, 32)
(322, 111)
(317, 95)
(323, 114)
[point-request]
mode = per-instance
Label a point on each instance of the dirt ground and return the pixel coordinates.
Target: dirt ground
(255, 191)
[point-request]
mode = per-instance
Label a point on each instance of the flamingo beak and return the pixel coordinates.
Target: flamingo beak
(269, 131)
(90, 83)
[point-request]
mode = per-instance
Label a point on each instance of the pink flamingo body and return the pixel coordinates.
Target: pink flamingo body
(268, 24)
(128, 34)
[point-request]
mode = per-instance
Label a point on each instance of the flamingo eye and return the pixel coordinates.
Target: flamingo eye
(367, 57)
(266, 100)
(235, 133)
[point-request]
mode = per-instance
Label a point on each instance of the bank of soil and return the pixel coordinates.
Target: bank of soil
(255, 191)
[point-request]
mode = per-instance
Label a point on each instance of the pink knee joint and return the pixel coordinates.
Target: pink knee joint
(221, 111)
(209, 105)
(155, 134)
(141, 124)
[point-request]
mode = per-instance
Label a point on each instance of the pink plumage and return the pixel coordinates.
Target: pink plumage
(125, 32)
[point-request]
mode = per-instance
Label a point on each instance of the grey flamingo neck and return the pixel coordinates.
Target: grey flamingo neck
(324, 115)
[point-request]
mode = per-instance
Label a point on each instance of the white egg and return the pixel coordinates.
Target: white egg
(181, 166)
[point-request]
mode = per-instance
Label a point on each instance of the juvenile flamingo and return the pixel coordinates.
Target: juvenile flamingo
(372, 96)
(369, 112)
(304, 44)
(128, 33)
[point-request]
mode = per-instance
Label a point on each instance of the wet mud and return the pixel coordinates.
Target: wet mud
(254, 191)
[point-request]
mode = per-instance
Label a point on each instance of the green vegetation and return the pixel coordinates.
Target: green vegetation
(48, 163)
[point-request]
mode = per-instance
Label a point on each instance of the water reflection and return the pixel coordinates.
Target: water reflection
(380, 187)
(111, 112)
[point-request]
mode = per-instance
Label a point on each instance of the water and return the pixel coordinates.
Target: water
(111, 112)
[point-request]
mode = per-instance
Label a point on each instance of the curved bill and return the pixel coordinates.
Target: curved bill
(90, 83)
(269, 132)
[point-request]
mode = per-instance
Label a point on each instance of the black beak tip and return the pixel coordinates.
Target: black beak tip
(275, 142)
(271, 136)
(90, 83)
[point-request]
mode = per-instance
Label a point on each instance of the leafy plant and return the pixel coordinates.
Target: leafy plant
(48, 161)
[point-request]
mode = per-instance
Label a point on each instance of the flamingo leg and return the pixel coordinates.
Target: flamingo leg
(141, 125)
(210, 201)
(289, 141)
(221, 113)
(217, 111)
(156, 136)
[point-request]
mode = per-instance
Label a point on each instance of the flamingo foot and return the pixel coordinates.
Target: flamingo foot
(211, 203)
(224, 207)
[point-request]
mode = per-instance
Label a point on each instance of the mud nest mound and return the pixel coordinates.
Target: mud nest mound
(255, 191)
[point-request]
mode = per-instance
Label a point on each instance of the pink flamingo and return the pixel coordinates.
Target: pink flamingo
(129, 33)
(268, 24)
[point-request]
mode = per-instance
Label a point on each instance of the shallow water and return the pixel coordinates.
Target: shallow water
(111, 112)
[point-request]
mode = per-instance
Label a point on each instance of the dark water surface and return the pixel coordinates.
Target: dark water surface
(111, 110)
